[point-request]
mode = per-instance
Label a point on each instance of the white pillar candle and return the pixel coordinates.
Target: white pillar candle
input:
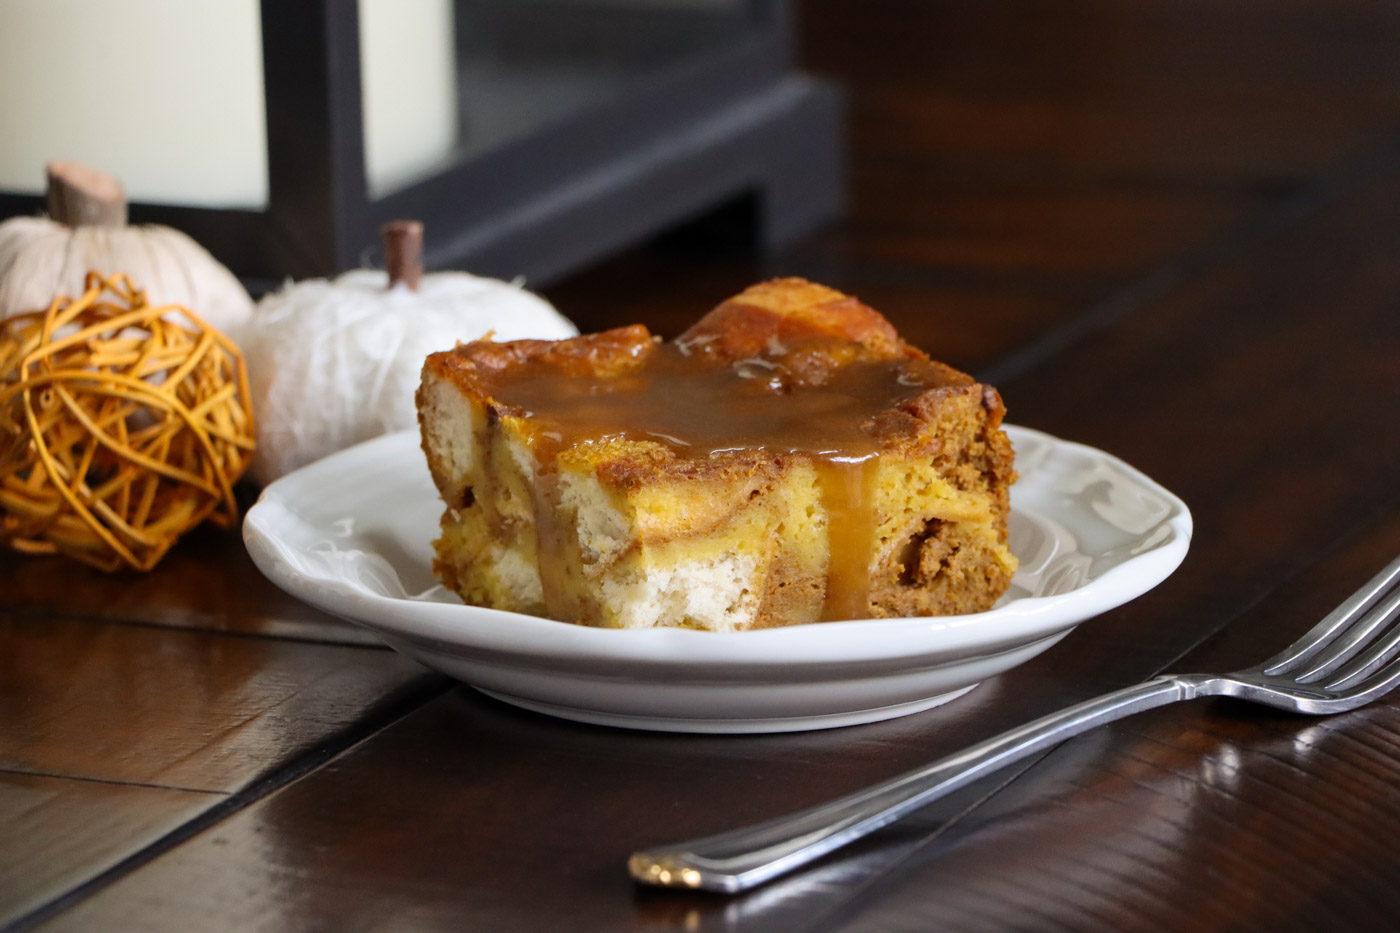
(408, 72)
(167, 95)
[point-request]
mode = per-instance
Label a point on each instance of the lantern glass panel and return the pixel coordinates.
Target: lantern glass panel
(165, 95)
(448, 80)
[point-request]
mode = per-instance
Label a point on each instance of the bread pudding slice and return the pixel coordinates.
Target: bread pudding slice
(789, 459)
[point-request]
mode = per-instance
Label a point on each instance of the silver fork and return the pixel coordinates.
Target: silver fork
(1346, 661)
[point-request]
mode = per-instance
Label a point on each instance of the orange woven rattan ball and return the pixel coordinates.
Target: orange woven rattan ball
(122, 426)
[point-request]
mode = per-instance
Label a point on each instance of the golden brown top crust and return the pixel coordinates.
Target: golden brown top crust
(787, 367)
(808, 324)
(602, 354)
(787, 310)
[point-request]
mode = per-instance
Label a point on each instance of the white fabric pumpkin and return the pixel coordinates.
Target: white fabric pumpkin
(335, 363)
(41, 258)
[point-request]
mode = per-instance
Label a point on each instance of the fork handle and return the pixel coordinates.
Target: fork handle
(742, 858)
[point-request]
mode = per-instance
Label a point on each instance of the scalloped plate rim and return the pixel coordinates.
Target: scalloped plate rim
(465, 627)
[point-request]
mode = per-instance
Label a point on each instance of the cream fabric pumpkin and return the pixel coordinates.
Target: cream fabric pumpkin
(41, 259)
(335, 363)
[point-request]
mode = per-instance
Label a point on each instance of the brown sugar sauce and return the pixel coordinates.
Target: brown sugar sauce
(815, 399)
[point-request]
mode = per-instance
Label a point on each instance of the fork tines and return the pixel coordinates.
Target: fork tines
(1352, 643)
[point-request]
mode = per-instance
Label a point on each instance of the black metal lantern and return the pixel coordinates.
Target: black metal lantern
(648, 112)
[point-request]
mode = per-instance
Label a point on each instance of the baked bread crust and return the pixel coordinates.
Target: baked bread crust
(672, 516)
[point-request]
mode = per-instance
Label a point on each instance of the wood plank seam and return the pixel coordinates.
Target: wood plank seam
(27, 614)
(39, 772)
(414, 696)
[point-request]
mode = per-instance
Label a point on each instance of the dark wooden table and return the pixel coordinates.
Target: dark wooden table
(1166, 228)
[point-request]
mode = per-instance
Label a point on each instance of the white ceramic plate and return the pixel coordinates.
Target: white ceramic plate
(351, 534)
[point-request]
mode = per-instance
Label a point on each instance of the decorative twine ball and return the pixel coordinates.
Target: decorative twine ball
(41, 257)
(122, 425)
(333, 363)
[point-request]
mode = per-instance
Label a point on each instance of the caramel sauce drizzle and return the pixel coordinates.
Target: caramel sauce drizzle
(789, 400)
(550, 544)
(850, 531)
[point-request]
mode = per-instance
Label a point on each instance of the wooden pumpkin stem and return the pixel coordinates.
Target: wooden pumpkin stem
(403, 252)
(81, 196)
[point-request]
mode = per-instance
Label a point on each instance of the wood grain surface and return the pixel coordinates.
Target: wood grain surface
(209, 582)
(189, 710)
(61, 833)
(1166, 228)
